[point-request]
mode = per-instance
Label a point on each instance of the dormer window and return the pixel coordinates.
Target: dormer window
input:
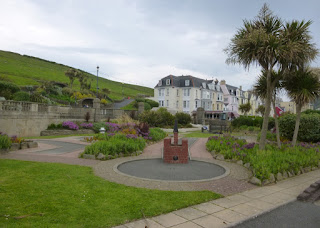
(160, 83)
(168, 82)
(187, 82)
(204, 85)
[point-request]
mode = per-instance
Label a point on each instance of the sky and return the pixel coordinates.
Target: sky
(140, 42)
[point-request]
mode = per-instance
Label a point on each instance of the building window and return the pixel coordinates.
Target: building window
(217, 106)
(161, 92)
(161, 103)
(177, 104)
(167, 103)
(167, 92)
(187, 82)
(186, 92)
(168, 82)
(160, 83)
(196, 104)
(177, 92)
(185, 104)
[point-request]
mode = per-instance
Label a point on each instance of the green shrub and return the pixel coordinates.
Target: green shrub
(5, 142)
(96, 126)
(54, 126)
(157, 134)
(309, 129)
(243, 127)
(253, 121)
(67, 91)
(147, 106)
(115, 145)
(7, 89)
(37, 97)
(152, 103)
(21, 96)
(159, 118)
(250, 128)
(183, 118)
(311, 111)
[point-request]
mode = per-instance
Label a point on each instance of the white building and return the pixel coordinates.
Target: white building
(187, 93)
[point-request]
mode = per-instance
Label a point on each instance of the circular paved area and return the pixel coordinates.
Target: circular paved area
(61, 152)
(156, 169)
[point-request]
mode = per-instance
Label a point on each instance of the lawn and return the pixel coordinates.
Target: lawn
(198, 134)
(72, 196)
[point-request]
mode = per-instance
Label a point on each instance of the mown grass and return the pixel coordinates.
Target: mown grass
(198, 134)
(72, 196)
(26, 70)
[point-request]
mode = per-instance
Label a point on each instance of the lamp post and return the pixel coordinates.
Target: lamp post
(97, 81)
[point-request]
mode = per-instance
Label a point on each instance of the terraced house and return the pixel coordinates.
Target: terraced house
(187, 93)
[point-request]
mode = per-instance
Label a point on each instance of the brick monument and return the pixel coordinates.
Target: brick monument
(175, 153)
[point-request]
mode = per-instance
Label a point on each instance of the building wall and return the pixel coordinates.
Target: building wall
(291, 107)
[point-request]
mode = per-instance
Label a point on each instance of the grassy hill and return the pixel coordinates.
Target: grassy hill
(27, 70)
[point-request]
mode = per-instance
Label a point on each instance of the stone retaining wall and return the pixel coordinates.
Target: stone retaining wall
(66, 132)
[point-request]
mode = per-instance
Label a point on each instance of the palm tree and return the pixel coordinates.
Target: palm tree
(260, 88)
(302, 87)
(267, 42)
(245, 108)
(259, 42)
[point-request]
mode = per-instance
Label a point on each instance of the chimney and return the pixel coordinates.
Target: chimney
(240, 87)
(222, 82)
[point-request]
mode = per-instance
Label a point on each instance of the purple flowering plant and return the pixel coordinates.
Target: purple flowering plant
(70, 125)
(86, 125)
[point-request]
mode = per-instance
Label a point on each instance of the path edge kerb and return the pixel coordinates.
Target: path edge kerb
(227, 171)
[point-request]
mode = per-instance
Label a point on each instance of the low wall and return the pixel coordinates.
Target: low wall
(65, 132)
(29, 119)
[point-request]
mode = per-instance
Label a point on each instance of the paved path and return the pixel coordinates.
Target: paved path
(62, 150)
(232, 210)
(123, 103)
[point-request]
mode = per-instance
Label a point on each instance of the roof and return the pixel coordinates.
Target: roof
(179, 81)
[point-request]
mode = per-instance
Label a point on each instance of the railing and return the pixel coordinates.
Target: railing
(15, 106)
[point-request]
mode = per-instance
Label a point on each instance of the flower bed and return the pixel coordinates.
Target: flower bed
(271, 162)
(116, 145)
(122, 140)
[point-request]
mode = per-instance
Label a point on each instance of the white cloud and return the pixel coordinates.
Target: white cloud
(137, 41)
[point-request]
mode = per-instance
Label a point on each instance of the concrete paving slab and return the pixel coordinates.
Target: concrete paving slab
(170, 219)
(246, 209)
(262, 205)
(144, 223)
(190, 213)
(187, 225)
(239, 198)
(230, 216)
(226, 203)
(208, 208)
(210, 221)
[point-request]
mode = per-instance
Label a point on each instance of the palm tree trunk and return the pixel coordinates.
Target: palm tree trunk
(296, 129)
(276, 122)
(262, 142)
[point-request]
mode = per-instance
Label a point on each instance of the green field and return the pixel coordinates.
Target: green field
(35, 194)
(26, 70)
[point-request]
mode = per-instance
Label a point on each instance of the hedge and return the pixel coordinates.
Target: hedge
(309, 129)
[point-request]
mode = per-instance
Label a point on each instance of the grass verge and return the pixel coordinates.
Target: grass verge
(198, 134)
(72, 196)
